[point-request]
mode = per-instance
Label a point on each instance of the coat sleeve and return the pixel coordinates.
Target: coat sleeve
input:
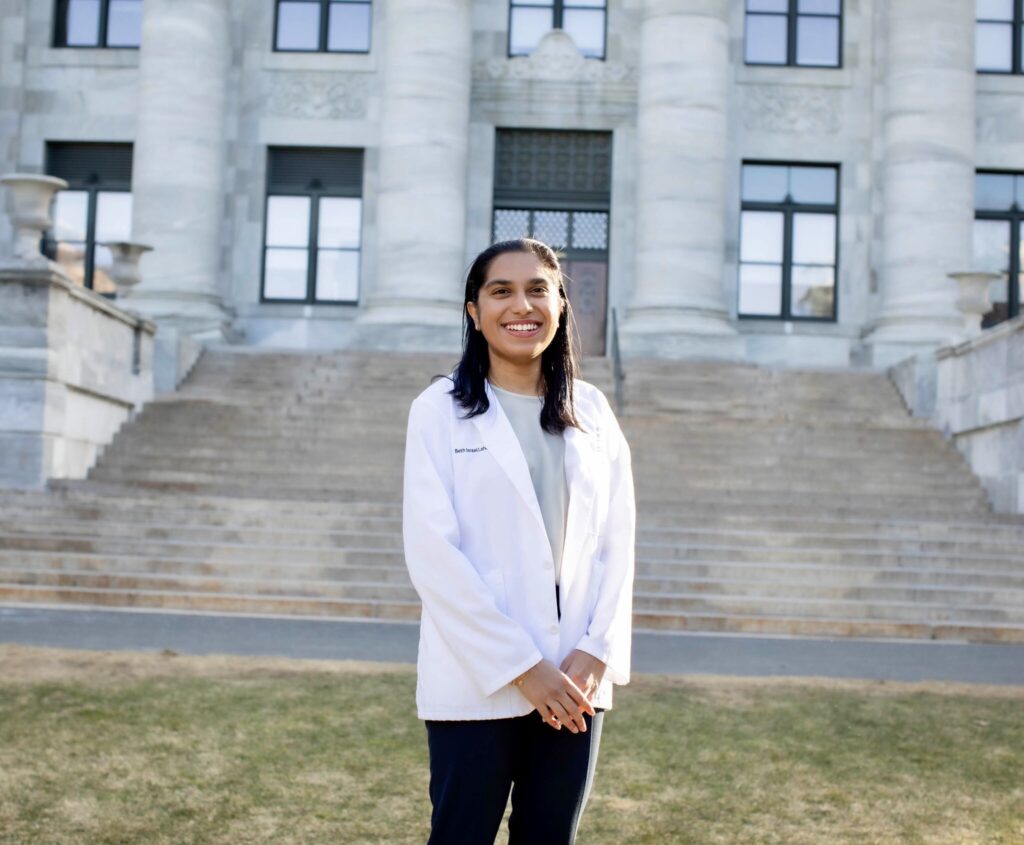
(492, 648)
(609, 635)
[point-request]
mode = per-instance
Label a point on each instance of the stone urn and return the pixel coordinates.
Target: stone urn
(29, 196)
(974, 302)
(124, 271)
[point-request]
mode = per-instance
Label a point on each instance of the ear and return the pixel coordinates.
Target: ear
(471, 310)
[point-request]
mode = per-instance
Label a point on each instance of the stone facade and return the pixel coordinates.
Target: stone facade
(905, 118)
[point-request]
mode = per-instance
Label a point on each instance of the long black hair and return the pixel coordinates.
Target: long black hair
(557, 362)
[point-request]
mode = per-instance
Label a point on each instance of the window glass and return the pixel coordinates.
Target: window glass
(813, 184)
(760, 289)
(994, 10)
(992, 246)
(124, 23)
(70, 215)
(993, 191)
(349, 27)
(819, 7)
(813, 292)
(814, 238)
(817, 41)
(586, 27)
(510, 224)
(593, 4)
(761, 236)
(527, 28)
(337, 275)
(765, 183)
(83, 23)
(113, 216)
(298, 26)
(766, 40)
(1020, 192)
(589, 230)
(993, 44)
(767, 5)
(552, 227)
(285, 274)
(288, 221)
(339, 222)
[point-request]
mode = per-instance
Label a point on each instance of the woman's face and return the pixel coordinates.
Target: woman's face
(518, 307)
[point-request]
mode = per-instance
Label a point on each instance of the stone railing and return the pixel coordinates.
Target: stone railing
(973, 392)
(74, 366)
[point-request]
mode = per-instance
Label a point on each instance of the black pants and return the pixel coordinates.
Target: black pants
(473, 764)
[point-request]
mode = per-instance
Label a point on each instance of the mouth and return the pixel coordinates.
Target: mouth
(522, 328)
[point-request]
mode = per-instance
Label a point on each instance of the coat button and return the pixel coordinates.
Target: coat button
(554, 629)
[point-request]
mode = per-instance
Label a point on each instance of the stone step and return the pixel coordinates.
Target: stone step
(383, 532)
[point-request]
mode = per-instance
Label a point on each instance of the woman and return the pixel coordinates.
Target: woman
(518, 523)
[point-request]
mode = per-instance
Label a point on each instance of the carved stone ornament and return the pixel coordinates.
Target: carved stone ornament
(791, 109)
(556, 58)
(318, 95)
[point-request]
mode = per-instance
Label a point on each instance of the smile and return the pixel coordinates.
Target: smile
(523, 329)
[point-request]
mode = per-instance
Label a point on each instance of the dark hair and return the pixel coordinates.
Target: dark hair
(557, 363)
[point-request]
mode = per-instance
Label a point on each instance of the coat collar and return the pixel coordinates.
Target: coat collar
(580, 451)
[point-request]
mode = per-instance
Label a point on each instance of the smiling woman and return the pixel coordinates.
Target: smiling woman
(518, 522)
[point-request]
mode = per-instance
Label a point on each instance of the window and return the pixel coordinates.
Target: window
(788, 227)
(98, 23)
(313, 229)
(530, 20)
(324, 26)
(998, 224)
(555, 186)
(806, 33)
(95, 208)
(997, 36)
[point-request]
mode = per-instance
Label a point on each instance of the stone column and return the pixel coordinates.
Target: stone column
(421, 201)
(927, 174)
(677, 307)
(178, 163)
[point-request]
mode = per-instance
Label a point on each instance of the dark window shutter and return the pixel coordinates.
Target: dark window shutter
(303, 169)
(553, 169)
(91, 164)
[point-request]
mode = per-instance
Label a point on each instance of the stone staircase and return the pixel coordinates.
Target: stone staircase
(770, 501)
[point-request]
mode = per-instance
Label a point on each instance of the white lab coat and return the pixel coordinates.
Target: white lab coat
(480, 559)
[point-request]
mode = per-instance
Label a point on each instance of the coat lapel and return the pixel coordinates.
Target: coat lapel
(580, 454)
(501, 441)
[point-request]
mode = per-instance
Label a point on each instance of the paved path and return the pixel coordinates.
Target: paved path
(197, 633)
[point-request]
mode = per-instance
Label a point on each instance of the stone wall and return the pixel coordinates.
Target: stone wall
(974, 393)
(73, 368)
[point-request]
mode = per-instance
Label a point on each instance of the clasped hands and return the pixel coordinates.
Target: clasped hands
(562, 694)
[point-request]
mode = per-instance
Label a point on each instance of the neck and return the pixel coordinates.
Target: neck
(519, 378)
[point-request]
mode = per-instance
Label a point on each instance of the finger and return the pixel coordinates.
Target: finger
(551, 719)
(580, 697)
(567, 715)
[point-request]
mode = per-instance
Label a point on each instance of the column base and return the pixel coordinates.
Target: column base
(891, 342)
(407, 325)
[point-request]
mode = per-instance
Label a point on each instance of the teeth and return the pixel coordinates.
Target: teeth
(522, 327)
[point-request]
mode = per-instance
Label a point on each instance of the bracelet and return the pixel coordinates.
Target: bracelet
(518, 682)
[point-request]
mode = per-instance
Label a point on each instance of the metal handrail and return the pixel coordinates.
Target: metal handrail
(617, 371)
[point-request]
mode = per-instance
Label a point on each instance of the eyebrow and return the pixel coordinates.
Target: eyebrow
(504, 282)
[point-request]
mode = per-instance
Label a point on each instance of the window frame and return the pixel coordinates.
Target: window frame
(557, 8)
(1016, 42)
(793, 15)
(325, 9)
(1015, 217)
(60, 28)
(92, 186)
(314, 191)
(788, 208)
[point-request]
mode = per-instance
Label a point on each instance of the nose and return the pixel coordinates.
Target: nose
(522, 304)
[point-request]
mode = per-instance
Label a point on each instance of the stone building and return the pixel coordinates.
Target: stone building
(778, 181)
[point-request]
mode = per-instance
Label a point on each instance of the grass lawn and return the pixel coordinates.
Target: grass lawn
(101, 747)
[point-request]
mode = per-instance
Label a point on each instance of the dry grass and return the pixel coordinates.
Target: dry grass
(161, 748)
